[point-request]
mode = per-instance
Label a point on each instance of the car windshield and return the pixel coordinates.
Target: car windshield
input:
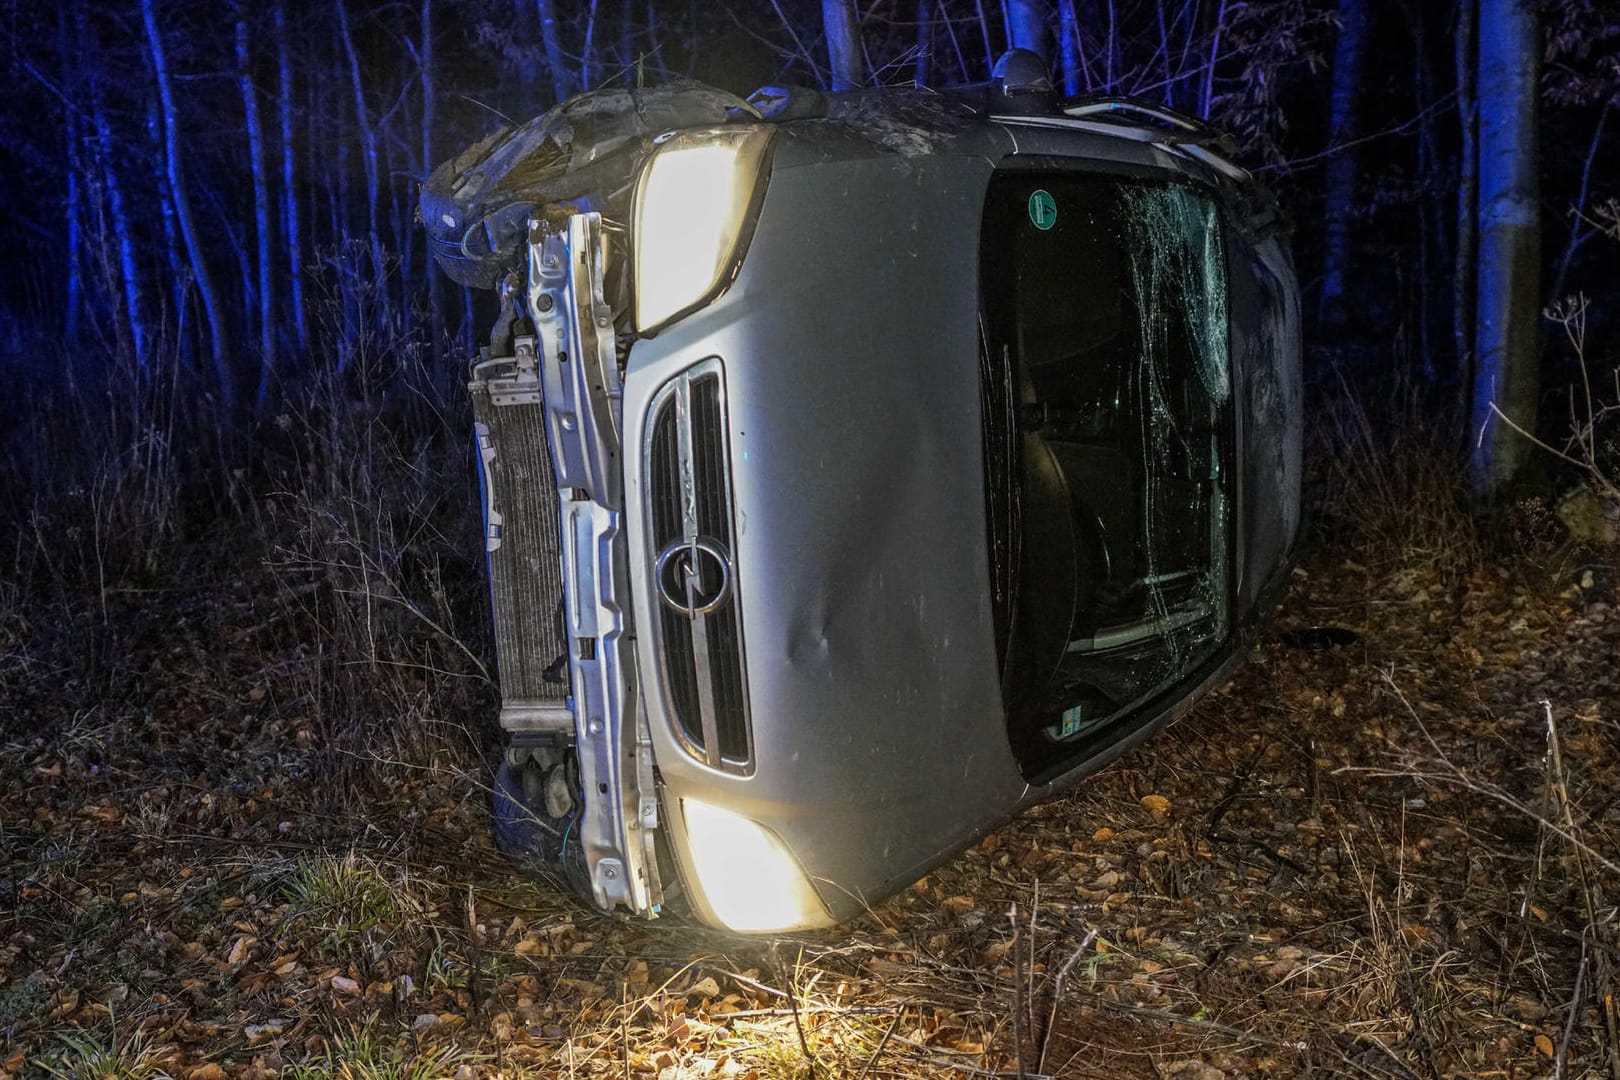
(1107, 404)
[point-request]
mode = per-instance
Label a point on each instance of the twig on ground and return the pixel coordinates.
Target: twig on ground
(1018, 990)
(1058, 987)
(883, 1042)
(798, 1021)
(1574, 1011)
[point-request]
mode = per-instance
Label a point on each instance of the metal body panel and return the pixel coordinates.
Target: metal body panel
(1265, 348)
(852, 381)
(580, 380)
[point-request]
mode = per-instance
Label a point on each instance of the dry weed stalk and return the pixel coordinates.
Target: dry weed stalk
(1394, 482)
(1556, 818)
(1583, 448)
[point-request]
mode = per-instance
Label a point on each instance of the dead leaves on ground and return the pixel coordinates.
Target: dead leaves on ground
(1234, 898)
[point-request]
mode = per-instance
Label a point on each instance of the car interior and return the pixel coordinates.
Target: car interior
(1107, 406)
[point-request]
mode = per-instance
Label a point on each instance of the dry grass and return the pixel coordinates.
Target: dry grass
(246, 737)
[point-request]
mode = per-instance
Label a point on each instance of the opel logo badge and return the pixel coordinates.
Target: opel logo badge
(693, 576)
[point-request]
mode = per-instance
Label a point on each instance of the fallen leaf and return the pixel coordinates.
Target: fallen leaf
(1157, 805)
(1545, 1045)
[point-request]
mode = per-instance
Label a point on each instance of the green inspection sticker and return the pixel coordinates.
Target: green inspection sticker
(1075, 717)
(1042, 209)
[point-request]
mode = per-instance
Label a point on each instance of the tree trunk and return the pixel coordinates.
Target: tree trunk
(291, 214)
(1462, 277)
(74, 210)
(1339, 198)
(923, 72)
(368, 159)
(587, 74)
(1506, 329)
(1026, 20)
(843, 44)
(1206, 98)
(129, 268)
(1069, 48)
(990, 55)
(219, 346)
(555, 67)
(179, 291)
(1429, 177)
(70, 57)
(261, 217)
(435, 300)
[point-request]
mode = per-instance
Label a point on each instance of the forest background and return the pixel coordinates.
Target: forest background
(245, 690)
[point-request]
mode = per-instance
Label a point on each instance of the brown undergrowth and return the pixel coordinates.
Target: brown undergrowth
(246, 833)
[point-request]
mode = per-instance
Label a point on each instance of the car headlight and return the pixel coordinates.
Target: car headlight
(693, 213)
(749, 879)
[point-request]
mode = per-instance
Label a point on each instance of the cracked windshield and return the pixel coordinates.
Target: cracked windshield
(1107, 421)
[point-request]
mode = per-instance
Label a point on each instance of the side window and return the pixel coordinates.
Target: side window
(1108, 405)
(1265, 340)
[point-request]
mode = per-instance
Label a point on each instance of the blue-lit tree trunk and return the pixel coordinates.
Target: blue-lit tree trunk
(1026, 23)
(219, 345)
(435, 299)
(73, 208)
(368, 157)
(843, 44)
(1427, 159)
(587, 74)
(1069, 48)
(263, 236)
(922, 71)
(1462, 278)
(178, 294)
(1339, 199)
(129, 267)
(1206, 98)
(1506, 330)
(291, 213)
(73, 205)
(555, 66)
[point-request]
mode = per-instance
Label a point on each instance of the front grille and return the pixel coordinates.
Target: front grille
(699, 633)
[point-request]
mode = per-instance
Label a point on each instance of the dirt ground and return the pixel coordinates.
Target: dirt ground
(1391, 856)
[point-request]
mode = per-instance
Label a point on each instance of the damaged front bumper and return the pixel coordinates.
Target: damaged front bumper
(548, 430)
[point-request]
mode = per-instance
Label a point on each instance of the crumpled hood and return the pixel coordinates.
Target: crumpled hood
(580, 155)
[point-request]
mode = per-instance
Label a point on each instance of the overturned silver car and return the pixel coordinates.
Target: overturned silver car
(858, 470)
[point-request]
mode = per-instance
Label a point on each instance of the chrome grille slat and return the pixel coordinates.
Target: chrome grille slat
(698, 628)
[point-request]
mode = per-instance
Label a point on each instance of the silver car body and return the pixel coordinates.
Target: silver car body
(825, 412)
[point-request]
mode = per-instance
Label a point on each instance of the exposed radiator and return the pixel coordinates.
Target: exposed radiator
(522, 543)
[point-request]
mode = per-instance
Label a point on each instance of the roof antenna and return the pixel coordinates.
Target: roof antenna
(1021, 83)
